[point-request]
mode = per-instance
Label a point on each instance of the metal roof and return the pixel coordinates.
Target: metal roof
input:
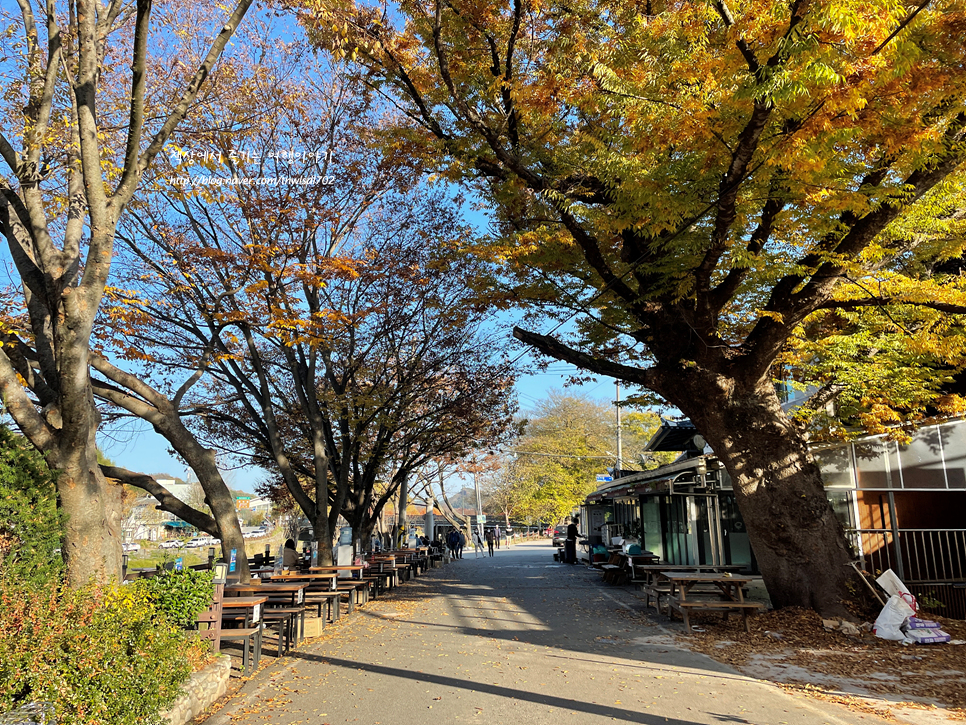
(634, 489)
(676, 435)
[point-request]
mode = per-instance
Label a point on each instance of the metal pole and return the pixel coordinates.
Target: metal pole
(894, 525)
(429, 523)
(617, 472)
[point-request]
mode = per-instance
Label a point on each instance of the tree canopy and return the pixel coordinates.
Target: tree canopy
(695, 179)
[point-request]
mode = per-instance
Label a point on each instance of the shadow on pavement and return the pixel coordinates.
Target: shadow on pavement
(508, 692)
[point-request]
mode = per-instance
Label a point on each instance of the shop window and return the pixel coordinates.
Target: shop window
(875, 462)
(922, 461)
(954, 453)
(836, 466)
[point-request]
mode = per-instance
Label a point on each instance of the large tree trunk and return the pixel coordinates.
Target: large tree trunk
(402, 521)
(92, 521)
(799, 544)
(323, 536)
(91, 506)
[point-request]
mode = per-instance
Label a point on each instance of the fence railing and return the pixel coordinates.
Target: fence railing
(916, 555)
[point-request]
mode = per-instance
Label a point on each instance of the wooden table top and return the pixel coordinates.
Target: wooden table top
(688, 567)
(336, 568)
(697, 576)
(242, 602)
(300, 575)
(268, 586)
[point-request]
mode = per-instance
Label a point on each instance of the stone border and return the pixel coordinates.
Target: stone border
(200, 692)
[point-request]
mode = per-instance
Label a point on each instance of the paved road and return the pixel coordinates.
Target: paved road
(510, 639)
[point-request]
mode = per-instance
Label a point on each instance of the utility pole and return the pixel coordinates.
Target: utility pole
(617, 473)
(429, 522)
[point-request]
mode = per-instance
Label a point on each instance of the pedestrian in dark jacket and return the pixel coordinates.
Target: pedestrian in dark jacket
(570, 545)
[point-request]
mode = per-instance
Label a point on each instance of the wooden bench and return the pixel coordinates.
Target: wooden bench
(325, 598)
(655, 591)
(251, 637)
(724, 607)
(356, 591)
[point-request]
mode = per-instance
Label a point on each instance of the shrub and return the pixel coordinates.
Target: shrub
(100, 656)
(180, 595)
(30, 527)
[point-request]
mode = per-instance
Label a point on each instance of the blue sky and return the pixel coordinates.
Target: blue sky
(137, 447)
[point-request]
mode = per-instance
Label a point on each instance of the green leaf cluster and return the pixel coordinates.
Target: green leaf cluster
(567, 441)
(97, 656)
(179, 596)
(30, 526)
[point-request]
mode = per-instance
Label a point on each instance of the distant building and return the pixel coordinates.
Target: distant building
(260, 505)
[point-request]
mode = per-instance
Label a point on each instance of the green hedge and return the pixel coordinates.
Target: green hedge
(30, 527)
(180, 595)
(100, 656)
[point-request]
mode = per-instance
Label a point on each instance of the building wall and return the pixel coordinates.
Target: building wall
(914, 509)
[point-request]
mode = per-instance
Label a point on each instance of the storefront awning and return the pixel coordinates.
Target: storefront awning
(177, 524)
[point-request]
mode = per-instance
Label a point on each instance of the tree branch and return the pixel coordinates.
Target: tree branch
(166, 500)
(554, 348)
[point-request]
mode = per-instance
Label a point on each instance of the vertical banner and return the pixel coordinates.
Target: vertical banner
(231, 562)
(179, 564)
(315, 553)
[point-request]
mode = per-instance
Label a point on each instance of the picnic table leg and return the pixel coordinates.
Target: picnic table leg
(258, 643)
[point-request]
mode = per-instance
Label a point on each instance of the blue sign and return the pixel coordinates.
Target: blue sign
(179, 564)
(231, 563)
(603, 478)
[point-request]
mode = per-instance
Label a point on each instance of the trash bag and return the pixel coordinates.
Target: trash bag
(889, 623)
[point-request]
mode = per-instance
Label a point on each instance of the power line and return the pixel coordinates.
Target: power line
(554, 455)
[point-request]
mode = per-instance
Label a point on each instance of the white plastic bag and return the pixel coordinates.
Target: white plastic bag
(894, 585)
(888, 625)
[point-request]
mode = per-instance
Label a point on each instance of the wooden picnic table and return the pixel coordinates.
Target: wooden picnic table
(346, 567)
(287, 600)
(295, 590)
(726, 588)
(250, 633)
(651, 570)
(300, 576)
(647, 578)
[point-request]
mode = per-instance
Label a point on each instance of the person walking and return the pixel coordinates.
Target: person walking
(452, 540)
(490, 536)
(496, 534)
(460, 544)
(477, 543)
